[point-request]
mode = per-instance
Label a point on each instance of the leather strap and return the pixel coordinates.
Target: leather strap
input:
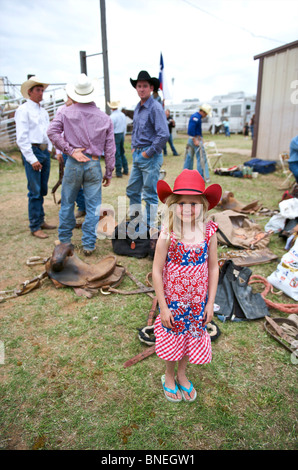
(142, 288)
(151, 315)
(279, 331)
(41, 146)
(139, 357)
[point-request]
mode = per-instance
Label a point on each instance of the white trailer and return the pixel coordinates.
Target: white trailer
(236, 107)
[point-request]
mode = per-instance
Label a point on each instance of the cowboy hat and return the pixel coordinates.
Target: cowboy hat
(33, 81)
(113, 104)
(82, 91)
(144, 76)
(190, 182)
(207, 109)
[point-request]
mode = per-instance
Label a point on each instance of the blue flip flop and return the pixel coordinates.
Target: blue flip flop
(187, 390)
(169, 390)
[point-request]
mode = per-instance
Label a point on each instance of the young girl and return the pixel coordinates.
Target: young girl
(185, 277)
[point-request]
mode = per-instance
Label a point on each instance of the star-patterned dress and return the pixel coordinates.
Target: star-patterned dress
(185, 281)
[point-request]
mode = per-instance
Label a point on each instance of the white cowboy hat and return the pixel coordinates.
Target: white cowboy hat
(207, 109)
(33, 81)
(82, 91)
(114, 104)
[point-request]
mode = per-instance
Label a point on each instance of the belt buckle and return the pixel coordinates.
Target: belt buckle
(43, 147)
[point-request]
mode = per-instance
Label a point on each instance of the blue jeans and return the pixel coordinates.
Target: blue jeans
(76, 175)
(121, 161)
(293, 167)
(80, 199)
(170, 141)
(37, 187)
(142, 185)
(188, 163)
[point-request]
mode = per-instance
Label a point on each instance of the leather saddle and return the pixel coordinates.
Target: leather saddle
(65, 268)
(228, 201)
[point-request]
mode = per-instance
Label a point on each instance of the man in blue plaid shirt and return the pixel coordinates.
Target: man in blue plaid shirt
(149, 136)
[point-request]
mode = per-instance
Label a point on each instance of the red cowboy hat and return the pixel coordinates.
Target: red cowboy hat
(190, 182)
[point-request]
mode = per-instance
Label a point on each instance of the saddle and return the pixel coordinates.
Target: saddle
(228, 201)
(237, 230)
(65, 268)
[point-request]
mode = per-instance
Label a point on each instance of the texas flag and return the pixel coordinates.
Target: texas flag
(163, 84)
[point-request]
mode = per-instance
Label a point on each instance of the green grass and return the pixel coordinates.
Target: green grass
(63, 385)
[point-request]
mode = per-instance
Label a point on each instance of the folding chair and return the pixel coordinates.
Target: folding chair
(213, 153)
(284, 158)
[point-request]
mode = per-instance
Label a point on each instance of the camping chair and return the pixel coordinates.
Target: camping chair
(284, 159)
(213, 153)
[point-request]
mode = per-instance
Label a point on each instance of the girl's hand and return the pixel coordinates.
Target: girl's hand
(166, 317)
(208, 313)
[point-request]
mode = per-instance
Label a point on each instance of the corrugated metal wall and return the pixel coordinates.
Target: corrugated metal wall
(278, 118)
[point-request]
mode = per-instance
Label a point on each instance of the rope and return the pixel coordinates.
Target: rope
(286, 308)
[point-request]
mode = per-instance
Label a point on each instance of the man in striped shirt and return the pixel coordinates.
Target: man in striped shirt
(84, 133)
(149, 136)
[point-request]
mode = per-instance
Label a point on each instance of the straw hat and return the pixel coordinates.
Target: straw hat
(113, 104)
(33, 81)
(190, 182)
(82, 91)
(207, 109)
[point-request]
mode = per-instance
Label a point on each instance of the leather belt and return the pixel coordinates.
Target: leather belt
(40, 146)
(93, 157)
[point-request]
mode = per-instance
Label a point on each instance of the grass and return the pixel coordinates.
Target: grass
(63, 385)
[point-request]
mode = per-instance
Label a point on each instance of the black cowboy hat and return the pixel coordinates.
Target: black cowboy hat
(143, 75)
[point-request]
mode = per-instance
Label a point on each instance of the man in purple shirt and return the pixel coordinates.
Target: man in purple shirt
(84, 133)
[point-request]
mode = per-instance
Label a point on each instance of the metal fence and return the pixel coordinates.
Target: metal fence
(53, 98)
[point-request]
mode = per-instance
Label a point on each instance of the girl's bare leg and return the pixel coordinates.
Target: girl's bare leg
(182, 379)
(170, 379)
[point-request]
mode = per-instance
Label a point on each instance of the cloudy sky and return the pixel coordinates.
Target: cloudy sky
(208, 47)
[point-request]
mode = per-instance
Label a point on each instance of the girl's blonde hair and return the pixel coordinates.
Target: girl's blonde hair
(169, 218)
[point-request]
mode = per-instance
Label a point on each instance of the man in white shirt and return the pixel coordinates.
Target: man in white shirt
(32, 121)
(119, 123)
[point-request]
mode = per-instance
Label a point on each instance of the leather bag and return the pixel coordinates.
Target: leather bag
(126, 242)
